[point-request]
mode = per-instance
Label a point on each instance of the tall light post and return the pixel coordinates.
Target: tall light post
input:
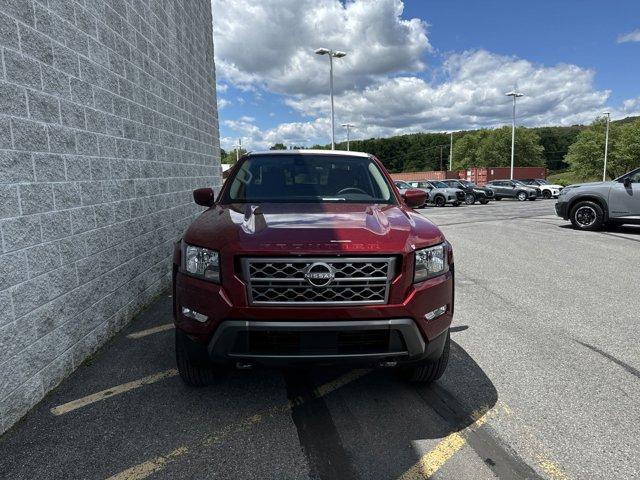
(451, 154)
(606, 146)
(515, 95)
(238, 148)
(332, 54)
(348, 126)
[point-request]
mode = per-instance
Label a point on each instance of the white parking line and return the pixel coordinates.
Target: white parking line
(111, 392)
(151, 331)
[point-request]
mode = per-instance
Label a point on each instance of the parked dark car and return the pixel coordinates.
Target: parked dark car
(312, 256)
(472, 192)
(512, 189)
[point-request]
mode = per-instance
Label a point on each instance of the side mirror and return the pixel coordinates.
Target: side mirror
(627, 182)
(204, 197)
(415, 197)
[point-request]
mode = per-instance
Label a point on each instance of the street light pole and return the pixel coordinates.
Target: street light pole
(515, 95)
(348, 126)
(451, 154)
(238, 147)
(606, 146)
(332, 54)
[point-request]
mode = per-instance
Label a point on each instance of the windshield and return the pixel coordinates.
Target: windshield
(439, 184)
(468, 183)
(542, 182)
(518, 182)
(308, 179)
(401, 184)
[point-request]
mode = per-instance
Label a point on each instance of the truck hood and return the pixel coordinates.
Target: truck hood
(285, 228)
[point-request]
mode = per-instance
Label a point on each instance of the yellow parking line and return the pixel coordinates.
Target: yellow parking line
(433, 460)
(551, 469)
(151, 331)
(150, 466)
(145, 469)
(110, 392)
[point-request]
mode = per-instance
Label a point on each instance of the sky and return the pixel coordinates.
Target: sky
(419, 66)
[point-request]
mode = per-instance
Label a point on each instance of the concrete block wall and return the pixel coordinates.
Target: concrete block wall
(108, 121)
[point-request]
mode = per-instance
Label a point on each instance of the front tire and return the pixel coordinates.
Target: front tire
(546, 194)
(484, 201)
(428, 371)
(193, 362)
(521, 196)
(439, 201)
(587, 215)
(469, 199)
(497, 199)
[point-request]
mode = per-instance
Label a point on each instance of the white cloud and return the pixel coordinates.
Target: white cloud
(380, 86)
(222, 103)
(471, 96)
(629, 37)
(270, 43)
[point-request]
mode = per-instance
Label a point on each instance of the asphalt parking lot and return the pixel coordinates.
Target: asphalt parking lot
(544, 382)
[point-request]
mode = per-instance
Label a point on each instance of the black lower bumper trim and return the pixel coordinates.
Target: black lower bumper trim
(323, 341)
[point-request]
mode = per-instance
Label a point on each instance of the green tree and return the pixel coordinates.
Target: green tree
(230, 156)
(556, 142)
(586, 154)
(492, 148)
(278, 146)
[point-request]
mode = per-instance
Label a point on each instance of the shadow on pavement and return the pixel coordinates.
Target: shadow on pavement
(623, 229)
(370, 427)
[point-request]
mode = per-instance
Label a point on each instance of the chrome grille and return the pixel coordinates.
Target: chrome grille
(337, 280)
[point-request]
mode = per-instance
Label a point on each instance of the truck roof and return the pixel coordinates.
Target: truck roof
(346, 153)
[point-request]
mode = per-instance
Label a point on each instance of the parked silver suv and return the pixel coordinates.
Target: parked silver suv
(439, 193)
(589, 206)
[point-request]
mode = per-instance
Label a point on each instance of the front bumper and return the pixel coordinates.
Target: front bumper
(229, 330)
(562, 209)
(320, 341)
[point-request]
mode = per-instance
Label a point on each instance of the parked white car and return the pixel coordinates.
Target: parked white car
(548, 190)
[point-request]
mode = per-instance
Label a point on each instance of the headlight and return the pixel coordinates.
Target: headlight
(430, 262)
(202, 262)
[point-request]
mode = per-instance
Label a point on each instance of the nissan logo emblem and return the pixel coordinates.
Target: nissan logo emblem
(319, 274)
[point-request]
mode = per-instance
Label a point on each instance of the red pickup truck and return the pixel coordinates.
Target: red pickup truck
(312, 256)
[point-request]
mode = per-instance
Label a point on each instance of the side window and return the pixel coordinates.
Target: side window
(635, 178)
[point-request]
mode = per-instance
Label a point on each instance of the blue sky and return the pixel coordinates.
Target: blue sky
(420, 65)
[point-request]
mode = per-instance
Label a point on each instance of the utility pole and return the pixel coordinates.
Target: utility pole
(441, 166)
(606, 146)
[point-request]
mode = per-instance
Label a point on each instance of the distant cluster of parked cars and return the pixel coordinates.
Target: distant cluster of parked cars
(456, 192)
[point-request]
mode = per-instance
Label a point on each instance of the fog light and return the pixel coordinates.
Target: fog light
(436, 313)
(199, 317)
